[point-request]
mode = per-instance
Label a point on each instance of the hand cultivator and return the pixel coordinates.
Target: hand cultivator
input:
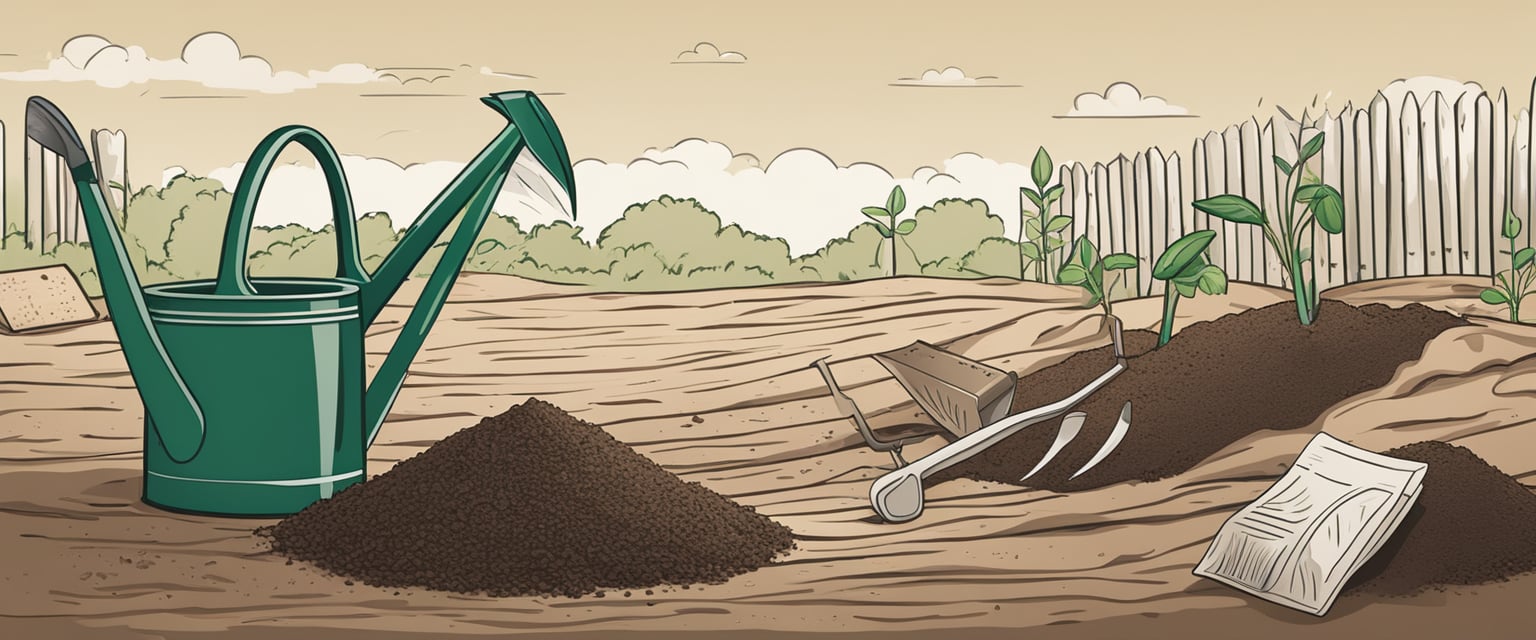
(971, 401)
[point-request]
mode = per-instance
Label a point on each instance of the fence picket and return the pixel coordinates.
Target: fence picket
(1410, 237)
(1328, 252)
(1349, 190)
(1157, 221)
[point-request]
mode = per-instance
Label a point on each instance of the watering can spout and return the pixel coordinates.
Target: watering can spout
(168, 404)
(474, 191)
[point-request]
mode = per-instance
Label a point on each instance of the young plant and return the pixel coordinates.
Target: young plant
(1040, 237)
(1185, 269)
(1086, 270)
(1307, 202)
(1518, 284)
(887, 224)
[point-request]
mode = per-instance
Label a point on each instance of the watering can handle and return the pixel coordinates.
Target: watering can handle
(232, 276)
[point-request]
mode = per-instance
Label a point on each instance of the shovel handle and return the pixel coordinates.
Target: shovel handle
(232, 278)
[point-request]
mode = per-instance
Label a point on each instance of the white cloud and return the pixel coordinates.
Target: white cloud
(1123, 100)
(1423, 87)
(949, 77)
(211, 59)
(708, 53)
(801, 195)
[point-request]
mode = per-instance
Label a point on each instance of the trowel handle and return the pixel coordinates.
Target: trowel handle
(232, 278)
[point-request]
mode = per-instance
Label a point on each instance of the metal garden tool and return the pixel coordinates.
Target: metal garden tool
(254, 390)
(898, 495)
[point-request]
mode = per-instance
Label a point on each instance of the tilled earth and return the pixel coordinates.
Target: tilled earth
(530, 502)
(1214, 383)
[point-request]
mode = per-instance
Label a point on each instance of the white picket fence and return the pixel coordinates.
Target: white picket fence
(1425, 185)
(50, 207)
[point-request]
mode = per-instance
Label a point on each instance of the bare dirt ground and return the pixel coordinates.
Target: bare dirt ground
(81, 557)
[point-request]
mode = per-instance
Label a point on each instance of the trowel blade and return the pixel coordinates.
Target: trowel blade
(1070, 426)
(1122, 426)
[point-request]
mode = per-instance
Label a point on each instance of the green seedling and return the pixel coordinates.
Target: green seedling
(1186, 270)
(1039, 235)
(1086, 270)
(887, 224)
(1511, 289)
(1308, 201)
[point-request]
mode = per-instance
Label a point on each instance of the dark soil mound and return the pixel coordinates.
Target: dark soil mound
(530, 502)
(1472, 524)
(1212, 384)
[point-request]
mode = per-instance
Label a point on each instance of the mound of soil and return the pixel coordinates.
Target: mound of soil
(530, 502)
(1472, 524)
(1214, 383)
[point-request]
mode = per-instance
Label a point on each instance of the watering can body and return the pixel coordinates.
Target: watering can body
(280, 381)
(255, 391)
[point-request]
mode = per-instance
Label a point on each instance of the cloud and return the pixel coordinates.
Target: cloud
(949, 77)
(211, 59)
(708, 53)
(801, 195)
(1123, 100)
(1422, 87)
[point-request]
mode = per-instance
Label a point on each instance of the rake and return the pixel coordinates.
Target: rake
(971, 401)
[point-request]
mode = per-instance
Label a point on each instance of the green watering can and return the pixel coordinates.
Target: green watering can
(254, 396)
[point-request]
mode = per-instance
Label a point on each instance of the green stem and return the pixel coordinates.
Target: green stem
(1299, 291)
(1170, 302)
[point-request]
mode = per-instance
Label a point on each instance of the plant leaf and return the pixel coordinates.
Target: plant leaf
(1233, 208)
(1182, 253)
(1310, 148)
(1052, 244)
(1053, 193)
(1034, 197)
(876, 212)
(1072, 274)
(906, 227)
(1306, 192)
(1328, 206)
(1058, 223)
(1212, 281)
(885, 232)
(1086, 255)
(1186, 290)
(1190, 274)
(1041, 170)
(1493, 296)
(1511, 225)
(1284, 166)
(1523, 257)
(1030, 251)
(897, 201)
(1115, 261)
(1033, 224)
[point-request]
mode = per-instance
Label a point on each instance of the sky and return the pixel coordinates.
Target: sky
(785, 116)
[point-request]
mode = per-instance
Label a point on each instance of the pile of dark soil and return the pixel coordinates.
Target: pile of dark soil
(530, 502)
(1214, 383)
(1472, 524)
